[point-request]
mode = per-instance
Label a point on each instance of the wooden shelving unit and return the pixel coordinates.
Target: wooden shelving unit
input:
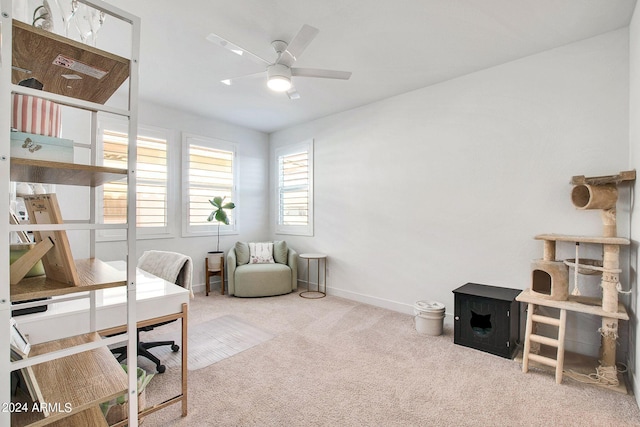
(94, 274)
(39, 52)
(89, 417)
(104, 379)
(42, 171)
(85, 373)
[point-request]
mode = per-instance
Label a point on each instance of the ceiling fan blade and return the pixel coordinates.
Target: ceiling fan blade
(301, 40)
(216, 39)
(231, 81)
(325, 74)
(293, 93)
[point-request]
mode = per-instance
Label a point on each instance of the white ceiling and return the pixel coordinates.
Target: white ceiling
(390, 46)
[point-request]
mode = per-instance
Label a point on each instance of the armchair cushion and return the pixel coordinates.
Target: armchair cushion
(280, 251)
(262, 279)
(242, 253)
(261, 253)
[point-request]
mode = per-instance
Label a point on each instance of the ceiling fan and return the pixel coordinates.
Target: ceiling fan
(281, 71)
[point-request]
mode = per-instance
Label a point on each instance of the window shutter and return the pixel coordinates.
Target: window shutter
(210, 174)
(294, 192)
(294, 189)
(152, 171)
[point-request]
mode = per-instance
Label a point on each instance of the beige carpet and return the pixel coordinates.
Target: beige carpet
(334, 362)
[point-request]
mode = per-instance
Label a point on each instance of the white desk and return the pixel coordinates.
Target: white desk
(155, 297)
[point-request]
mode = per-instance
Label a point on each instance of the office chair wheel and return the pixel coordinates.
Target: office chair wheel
(175, 348)
(161, 369)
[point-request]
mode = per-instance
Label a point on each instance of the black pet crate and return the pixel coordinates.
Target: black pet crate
(487, 318)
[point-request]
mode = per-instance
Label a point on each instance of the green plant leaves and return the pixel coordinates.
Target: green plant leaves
(219, 213)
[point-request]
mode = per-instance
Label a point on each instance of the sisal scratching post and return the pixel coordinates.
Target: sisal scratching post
(604, 196)
(549, 250)
(609, 228)
(609, 332)
(610, 279)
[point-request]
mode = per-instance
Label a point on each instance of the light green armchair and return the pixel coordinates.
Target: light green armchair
(249, 278)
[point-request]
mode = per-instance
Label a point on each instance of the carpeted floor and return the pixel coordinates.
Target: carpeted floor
(335, 362)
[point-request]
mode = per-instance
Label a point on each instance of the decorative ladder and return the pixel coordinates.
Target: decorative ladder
(560, 323)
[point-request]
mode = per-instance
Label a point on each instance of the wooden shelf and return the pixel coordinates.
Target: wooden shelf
(82, 380)
(584, 239)
(89, 417)
(578, 304)
(602, 180)
(44, 171)
(93, 273)
(36, 50)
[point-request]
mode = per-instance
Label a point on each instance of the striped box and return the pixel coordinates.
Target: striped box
(35, 115)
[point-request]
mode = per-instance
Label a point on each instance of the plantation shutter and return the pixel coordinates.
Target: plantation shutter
(151, 176)
(210, 174)
(294, 189)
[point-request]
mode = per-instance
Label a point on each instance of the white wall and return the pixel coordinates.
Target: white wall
(421, 193)
(253, 201)
(634, 160)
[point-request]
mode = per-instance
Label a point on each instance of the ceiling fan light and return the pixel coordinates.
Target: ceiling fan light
(279, 83)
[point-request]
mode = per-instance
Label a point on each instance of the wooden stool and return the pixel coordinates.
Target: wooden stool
(213, 271)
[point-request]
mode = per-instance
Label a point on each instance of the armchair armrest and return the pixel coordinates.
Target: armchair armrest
(231, 270)
(292, 262)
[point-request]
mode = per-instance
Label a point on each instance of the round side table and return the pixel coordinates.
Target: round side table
(309, 293)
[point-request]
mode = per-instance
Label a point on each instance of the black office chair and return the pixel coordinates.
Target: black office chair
(172, 267)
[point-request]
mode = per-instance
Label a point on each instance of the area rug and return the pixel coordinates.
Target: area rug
(212, 341)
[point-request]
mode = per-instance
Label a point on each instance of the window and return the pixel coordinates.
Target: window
(209, 170)
(295, 189)
(152, 204)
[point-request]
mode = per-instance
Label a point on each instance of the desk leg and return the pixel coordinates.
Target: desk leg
(206, 276)
(185, 354)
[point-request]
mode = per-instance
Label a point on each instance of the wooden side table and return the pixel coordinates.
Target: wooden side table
(211, 269)
(315, 294)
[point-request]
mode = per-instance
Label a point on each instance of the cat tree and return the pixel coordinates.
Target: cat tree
(550, 280)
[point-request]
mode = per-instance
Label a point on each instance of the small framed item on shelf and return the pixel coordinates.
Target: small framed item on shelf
(19, 342)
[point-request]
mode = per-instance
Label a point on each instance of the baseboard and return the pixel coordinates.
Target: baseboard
(632, 386)
(378, 302)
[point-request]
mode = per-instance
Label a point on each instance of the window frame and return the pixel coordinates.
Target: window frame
(297, 230)
(210, 229)
(142, 233)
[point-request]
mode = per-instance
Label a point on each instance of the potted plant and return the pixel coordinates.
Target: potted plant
(218, 214)
(117, 409)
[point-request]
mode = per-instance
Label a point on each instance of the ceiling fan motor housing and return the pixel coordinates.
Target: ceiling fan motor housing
(279, 77)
